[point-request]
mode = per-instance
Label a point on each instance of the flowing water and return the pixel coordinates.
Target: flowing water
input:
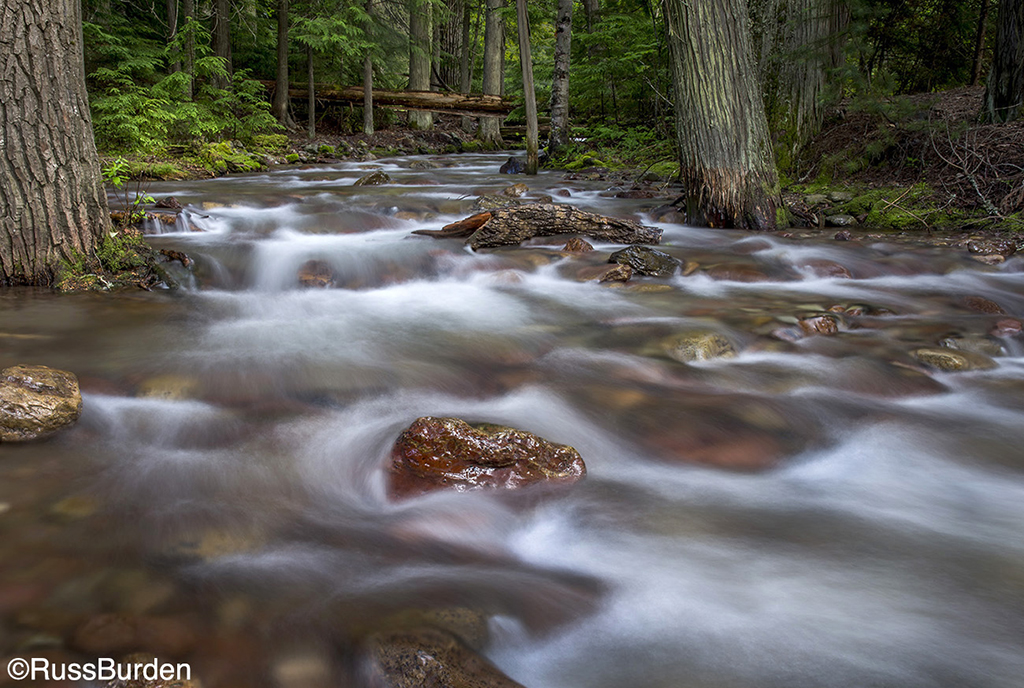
(224, 487)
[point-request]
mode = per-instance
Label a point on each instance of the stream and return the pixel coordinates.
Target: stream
(225, 487)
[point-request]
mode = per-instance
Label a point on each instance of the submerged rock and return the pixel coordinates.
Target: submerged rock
(438, 453)
(646, 261)
(512, 166)
(316, 274)
(36, 402)
(819, 325)
(688, 347)
(948, 360)
(605, 273)
(428, 657)
(374, 179)
(577, 245)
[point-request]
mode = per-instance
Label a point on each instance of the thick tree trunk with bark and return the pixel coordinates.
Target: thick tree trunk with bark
(796, 44)
(280, 105)
(449, 46)
(419, 58)
(559, 137)
(529, 93)
(52, 202)
(726, 159)
(513, 225)
(1004, 94)
(494, 56)
(222, 38)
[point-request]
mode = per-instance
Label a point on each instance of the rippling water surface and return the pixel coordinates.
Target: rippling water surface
(224, 487)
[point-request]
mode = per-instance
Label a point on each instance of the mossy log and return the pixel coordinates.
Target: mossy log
(513, 225)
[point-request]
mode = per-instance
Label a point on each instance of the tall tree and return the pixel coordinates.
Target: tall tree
(172, 29)
(494, 57)
(419, 58)
(280, 104)
(726, 160)
(1004, 93)
(559, 136)
(52, 202)
(530, 94)
(188, 10)
(796, 43)
(979, 41)
(222, 38)
(368, 74)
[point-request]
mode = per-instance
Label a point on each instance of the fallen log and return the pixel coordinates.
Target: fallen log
(512, 225)
(458, 103)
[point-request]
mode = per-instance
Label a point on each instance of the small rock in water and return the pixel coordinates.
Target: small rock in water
(512, 166)
(374, 179)
(316, 274)
(819, 325)
(428, 657)
(646, 261)
(36, 402)
(515, 191)
(982, 305)
(605, 273)
(843, 235)
(1007, 327)
(577, 245)
(989, 247)
(840, 220)
(438, 453)
(736, 273)
(168, 202)
(973, 344)
(950, 361)
(697, 346)
(822, 268)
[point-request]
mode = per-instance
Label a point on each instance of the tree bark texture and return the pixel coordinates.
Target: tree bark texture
(449, 45)
(368, 78)
(529, 92)
(559, 137)
(1004, 92)
(726, 159)
(979, 41)
(222, 37)
(429, 101)
(172, 29)
(279, 107)
(465, 75)
(419, 58)
(52, 201)
(494, 56)
(512, 225)
(796, 45)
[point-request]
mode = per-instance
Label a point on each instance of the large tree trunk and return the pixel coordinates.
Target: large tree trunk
(419, 58)
(727, 165)
(449, 47)
(979, 41)
(52, 202)
(529, 93)
(188, 9)
(280, 104)
(796, 45)
(368, 78)
(494, 56)
(222, 38)
(1005, 90)
(559, 137)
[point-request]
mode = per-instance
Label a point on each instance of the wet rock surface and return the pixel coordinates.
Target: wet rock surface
(36, 402)
(647, 261)
(374, 179)
(440, 453)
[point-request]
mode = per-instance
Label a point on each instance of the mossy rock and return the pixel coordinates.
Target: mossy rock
(292, 158)
(270, 143)
(220, 158)
(326, 151)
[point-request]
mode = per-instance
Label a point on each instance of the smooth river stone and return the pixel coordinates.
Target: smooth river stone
(439, 453)
(36, 402)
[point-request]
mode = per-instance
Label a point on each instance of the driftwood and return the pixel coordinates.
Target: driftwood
(512, 225)
(458, 103)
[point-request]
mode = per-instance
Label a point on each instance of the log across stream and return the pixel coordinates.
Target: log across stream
(804, 462)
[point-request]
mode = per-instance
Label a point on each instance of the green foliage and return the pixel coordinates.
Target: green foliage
(118, 173)
(138, 107)
(222, 157)
(271, 143)
(121, 258)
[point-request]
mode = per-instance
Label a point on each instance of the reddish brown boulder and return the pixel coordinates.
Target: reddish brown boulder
(439, 453)
(577, 245)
